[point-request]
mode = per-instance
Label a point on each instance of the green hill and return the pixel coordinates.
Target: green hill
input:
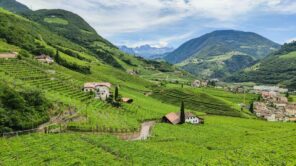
(49, 98)
(277, 68)
(14, 6)
(219, 53)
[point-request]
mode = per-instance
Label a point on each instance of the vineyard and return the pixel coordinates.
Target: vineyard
(202, 102)
(44, 77)
(220, 141)
(93, 115)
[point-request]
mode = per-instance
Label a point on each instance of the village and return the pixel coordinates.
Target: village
(273, 105)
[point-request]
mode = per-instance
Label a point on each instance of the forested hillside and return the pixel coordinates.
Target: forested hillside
(219, 53)
(277, 68)
(22, 108)
(14, 6)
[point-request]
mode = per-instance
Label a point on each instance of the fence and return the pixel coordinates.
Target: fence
(22, 132)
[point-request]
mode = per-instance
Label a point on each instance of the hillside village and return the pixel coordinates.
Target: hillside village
(273, 105)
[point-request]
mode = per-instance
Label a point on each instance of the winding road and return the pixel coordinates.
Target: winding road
(145, 130)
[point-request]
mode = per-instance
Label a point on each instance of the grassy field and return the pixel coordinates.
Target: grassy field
(55, 20)
(220, 141)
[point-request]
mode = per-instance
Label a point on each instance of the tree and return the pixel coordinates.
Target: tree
(287, 95)
(116, 94)
(259, 98)
(251, 107)
(57, 57)
(182, 113)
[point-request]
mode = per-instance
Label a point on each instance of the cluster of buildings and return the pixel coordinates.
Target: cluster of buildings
(203, 83)
(199, 83)
(102, 91)
(273, 106)
(41, 58)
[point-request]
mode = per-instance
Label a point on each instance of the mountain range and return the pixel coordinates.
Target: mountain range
(147, 51)
(219, 53)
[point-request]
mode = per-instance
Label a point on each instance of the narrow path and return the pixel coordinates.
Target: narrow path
(145, 130)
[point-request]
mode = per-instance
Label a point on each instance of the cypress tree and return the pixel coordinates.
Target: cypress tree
(252, 107)
(287, 95)
(182, 113)
(116, 93)
(57, 57)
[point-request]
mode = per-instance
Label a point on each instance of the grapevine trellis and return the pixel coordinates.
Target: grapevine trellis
(40, 76)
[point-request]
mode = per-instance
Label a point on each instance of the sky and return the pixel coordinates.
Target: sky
(169, 23)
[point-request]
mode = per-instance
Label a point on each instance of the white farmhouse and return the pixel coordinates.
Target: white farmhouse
(190, 118)
(174, 118)
(101, 89)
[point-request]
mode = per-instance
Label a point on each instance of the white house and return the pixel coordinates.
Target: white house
(190, 118)
(174, 118)
(101, 89)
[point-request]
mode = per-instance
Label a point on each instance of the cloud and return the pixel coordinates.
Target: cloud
(161, 42)
(291, 40)
(113, 17)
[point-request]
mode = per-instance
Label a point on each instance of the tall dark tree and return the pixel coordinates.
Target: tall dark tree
(116, 94)
(182, 113)
(57, 57)
(252, 107)
(287, 95)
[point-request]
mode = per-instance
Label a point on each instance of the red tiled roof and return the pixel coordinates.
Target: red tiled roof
(174, 117)
(95, 84)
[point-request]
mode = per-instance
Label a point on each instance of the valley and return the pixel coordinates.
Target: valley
(68, 96)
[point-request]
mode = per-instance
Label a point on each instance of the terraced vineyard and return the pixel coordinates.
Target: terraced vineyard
(201, 102)
(44, 77)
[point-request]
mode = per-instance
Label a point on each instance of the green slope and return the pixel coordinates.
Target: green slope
(209, 55)
(278, 68)
(210, 101)
(14, 6)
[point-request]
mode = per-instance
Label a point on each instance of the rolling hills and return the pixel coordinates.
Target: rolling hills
(277, 68)
(219, 53)
(32, 93)
(147, 51)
